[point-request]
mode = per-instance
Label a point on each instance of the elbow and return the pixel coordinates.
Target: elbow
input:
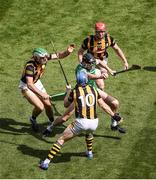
(66, 103)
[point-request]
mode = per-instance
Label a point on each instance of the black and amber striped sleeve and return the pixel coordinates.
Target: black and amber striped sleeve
(85, 43)
(29, 70)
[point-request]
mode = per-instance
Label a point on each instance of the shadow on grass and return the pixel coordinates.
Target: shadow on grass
(41, 154)
(56, 113)
(104, 136)
(150, 68)
(109, 137)
(10, 126)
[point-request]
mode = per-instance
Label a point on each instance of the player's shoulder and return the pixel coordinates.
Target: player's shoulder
(30, 63)
(90, 36)
(80, 68)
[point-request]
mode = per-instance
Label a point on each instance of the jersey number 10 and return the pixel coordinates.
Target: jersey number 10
(88, 100)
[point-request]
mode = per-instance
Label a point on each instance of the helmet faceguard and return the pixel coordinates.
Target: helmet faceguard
(40, 55)
(88, 61)
(82, 78)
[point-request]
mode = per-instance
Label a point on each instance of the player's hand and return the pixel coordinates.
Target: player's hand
(71, 48)
(117, 117)
(104, 76)
(113, 73)
(125, 65)
(68, 88)
(45, 96)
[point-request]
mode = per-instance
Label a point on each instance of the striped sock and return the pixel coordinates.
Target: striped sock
(54, 150)
(89, 142)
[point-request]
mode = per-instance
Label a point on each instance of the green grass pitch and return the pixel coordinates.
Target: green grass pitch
(26, 24)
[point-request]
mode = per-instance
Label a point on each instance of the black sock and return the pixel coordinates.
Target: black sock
(33, 117)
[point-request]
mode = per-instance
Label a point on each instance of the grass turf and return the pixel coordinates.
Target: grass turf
(28, 24)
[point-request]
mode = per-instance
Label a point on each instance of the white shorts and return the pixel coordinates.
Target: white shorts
(38, 84)
(87, 125)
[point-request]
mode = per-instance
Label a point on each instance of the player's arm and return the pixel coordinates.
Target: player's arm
(102, 64)
(80, 54)
(121, 55)
(62, 54)
(95, 76)
(82, 49)
(69, 96)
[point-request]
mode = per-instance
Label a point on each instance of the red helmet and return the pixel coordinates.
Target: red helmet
(99, 26)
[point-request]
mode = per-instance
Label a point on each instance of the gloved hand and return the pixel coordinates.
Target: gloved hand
(116, 117)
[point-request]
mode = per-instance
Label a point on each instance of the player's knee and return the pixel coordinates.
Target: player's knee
(60, 141)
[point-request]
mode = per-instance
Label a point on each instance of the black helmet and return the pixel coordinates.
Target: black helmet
(88, 58)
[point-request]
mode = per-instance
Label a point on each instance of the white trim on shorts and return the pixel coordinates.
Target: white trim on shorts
(82, 124)
(38, 84)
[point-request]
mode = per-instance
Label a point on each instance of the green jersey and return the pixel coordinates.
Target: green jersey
(91, 82)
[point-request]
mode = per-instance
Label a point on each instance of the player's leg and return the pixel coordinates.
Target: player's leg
(114, 105)
(67, 135)
(60, 120)
(68, 113)
(89, 142)
(46, 102)
(71, 131)
(38, 106)
(48, 109)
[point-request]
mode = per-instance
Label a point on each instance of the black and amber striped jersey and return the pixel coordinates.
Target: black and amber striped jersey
(98, 48)
(85, 100)
(32, 69)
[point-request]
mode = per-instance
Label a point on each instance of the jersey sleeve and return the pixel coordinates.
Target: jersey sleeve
(85, 43)
(71, 97)
(29, 70)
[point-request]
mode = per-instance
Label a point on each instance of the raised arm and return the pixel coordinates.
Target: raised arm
(68, 98)
(80, 54)
(62, 54)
